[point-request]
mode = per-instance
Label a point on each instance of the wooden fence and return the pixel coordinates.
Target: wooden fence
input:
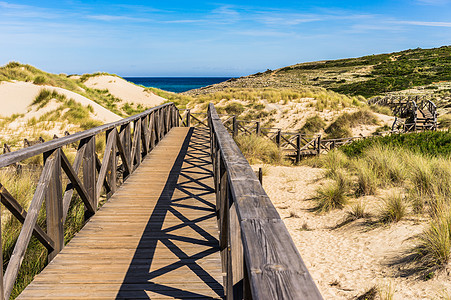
(133, 138)
(258, 254)
(293, 144)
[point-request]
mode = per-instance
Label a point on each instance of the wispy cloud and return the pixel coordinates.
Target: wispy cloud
(434, 2)
(423, 23)
(112, 18)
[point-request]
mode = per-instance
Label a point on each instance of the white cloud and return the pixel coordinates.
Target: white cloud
(434, 2)
(422, 23)
(111, 18)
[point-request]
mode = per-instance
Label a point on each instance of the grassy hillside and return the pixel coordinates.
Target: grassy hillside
(27, 73)
(367, 76)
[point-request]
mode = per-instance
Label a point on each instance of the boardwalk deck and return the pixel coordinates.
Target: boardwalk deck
(156, 238)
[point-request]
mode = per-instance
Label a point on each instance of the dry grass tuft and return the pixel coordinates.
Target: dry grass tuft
(333, 196)
(258, 149)
(393, 210)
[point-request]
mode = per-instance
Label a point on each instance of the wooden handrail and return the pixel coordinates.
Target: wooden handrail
(149, 127)
(259, 256)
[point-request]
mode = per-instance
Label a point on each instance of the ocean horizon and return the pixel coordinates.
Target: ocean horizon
(176, 84)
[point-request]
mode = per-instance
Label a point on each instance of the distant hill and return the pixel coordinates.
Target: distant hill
(367, 76)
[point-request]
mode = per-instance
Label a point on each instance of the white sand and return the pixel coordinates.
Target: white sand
(16, 98)
(124, 90)
(348, 261)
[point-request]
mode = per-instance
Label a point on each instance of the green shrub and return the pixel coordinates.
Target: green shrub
(444, 121)
(234, 108)
(428, 142)
(313, 125)
(341, 127)
(40, 80)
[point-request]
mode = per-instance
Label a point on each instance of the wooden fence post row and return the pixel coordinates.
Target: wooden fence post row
(258, 255)
(97, 176)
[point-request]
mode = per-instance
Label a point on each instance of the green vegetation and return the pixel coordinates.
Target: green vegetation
(27, 73)
(74, 112)
(313, 125)
(366, 76)
(429, 142)
(417, 179)
(341, 127)
(333, 196)
(394, 209)
(85, 77)
(259, 149)
(408, 69)
(434, 244)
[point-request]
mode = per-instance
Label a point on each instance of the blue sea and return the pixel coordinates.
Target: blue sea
(176, 84)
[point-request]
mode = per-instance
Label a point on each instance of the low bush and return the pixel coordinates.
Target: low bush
(341, 127)
(313, 125)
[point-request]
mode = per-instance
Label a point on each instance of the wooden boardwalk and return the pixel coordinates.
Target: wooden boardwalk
(156, 238)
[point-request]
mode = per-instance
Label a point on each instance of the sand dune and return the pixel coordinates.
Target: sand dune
(16, 98)
(346, 262)
(126, 91)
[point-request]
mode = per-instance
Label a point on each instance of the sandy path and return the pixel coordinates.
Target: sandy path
(126, 91)
(348, 261)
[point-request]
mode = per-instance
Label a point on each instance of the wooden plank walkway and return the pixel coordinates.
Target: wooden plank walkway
(156, 238)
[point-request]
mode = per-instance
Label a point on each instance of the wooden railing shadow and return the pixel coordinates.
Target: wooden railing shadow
(184, 182)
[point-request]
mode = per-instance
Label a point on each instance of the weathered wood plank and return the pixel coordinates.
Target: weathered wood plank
(54, 205)
(20, 214)
(105, 163)
(28, 226)
(71, 174)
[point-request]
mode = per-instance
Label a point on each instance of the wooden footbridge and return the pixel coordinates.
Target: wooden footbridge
(186, 217)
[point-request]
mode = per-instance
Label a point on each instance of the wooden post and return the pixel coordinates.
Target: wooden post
(177, 114)
(125, 138)
(112, 163)
(298, 148)
(152, 134)
(260, 175)
(138, 143)
(235, 126)
(89, 171)
(258, 129)
(319, 145)
(278, 137)
(54, 205)
(188, 118)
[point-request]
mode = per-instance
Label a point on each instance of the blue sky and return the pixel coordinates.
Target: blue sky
(198, 38)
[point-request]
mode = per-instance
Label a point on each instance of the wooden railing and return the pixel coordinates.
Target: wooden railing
(294, 145)
(131, 138)
(258, 254)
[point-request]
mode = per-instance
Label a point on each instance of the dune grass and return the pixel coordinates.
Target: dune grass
(341, 127)
(313, 125)
(333, 195)
(420, 184)
(259, 149)
(434, 243)
(393, 209)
